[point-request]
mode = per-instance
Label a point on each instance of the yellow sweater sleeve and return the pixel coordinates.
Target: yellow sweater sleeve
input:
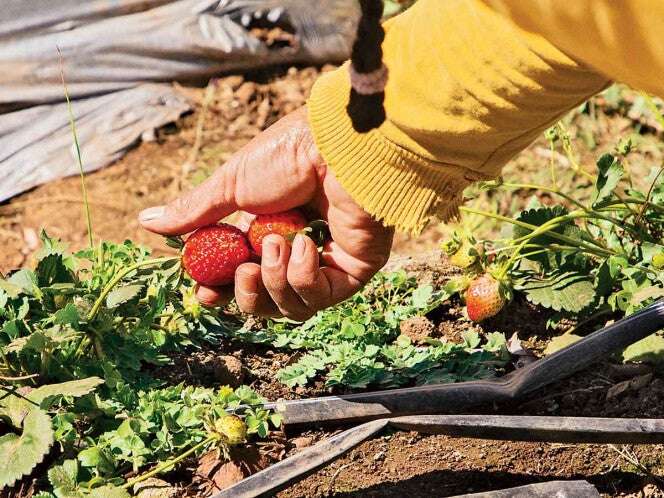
(471, 83)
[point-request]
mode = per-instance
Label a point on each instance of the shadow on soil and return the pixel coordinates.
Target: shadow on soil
(450, 483)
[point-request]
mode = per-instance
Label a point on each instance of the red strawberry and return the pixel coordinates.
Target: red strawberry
(484, 298)
(212, 254)
(286, 224)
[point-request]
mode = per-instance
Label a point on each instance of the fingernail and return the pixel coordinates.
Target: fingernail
(271, 252)
(246, 282)
(151, 213)
(299, 246)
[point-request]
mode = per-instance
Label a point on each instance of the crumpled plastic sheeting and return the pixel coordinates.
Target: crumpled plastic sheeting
(36, 143)
(115, 45)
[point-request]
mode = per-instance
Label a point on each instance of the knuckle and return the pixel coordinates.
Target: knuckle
(182, 204)
(302, 281)
(297, 315)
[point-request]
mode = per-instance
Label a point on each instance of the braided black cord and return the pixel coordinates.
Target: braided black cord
(367, 111)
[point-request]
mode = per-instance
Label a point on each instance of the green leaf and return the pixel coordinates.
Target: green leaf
(537, 217)
(123, 294)
(52, 270)
(95, 458)
(560, 342)
(25, 281)
(21, 453)
(422, 296)
(610, 173)
(568, 291)
(67, 316)
(44, 394)
(63, 479)
(650, 349)
(646, 293)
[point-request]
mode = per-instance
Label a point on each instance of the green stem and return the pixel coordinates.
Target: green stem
(544, 188)
(633, 200)
(569, 240)
(72, 125)
(169, 464)
(122, 274)
(648, 196)
(16, 379)
(553, 247)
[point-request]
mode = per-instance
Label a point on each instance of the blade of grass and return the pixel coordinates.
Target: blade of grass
(72, 125)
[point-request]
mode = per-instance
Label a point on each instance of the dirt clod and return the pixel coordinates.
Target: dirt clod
(417, 329)
(302, 442)
(228, 370)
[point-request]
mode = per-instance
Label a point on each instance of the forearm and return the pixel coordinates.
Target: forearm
(467, 90)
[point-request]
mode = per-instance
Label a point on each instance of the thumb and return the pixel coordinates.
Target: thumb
(206, 204)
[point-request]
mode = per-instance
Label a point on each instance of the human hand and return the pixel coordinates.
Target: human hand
(278, 170)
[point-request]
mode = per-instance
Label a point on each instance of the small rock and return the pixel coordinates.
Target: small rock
(228, 371)
(302, 442)
(379, 456)
(417, 328)
(154, 488)
(245, 92)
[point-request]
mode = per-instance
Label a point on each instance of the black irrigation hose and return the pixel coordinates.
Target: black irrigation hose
(386, 405)
(455, 398)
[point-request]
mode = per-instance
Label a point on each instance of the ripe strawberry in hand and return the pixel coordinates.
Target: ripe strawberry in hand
(212, 254)
(286, 224)
(484, 298)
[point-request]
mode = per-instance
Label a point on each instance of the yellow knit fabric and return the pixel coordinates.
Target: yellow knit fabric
(472, 83)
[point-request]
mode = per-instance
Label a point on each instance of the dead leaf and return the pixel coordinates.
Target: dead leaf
(155, 488)
(633, 385)
(228, 474)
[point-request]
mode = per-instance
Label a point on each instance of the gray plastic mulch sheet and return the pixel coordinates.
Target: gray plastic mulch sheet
(500, 427)
(111, 46)
(551, 489)
(36, 143)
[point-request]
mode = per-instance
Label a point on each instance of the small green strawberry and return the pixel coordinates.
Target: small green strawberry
(232, 428)
(658, 260)
(461, 251)
(465, 256)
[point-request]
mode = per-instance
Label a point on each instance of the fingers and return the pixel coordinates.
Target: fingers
(250, 293)
(214, 296)
(289, 282)
(274, 269)
(206, 204)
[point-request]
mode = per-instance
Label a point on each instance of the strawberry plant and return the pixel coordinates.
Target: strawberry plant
(77, 337)
(583, 256)
(358, 343)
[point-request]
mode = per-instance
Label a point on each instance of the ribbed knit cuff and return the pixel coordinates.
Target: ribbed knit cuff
(395, 186)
